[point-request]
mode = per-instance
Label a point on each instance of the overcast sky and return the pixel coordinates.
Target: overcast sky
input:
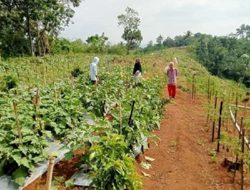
(165, 17)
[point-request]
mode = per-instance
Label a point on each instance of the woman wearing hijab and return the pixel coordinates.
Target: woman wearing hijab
(93, 70)
(137, 71)
(171, 75)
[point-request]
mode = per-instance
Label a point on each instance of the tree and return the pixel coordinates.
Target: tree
(97, 43)
(159, 40)
(168, 42)
(130, 22)
(36, 20)
(243, 32)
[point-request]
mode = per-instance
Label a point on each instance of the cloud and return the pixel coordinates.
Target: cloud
(166, 17)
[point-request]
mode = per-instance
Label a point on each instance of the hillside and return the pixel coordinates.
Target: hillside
(52, 102)
(185, 157)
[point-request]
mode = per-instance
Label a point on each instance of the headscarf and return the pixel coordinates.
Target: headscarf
(96, 60)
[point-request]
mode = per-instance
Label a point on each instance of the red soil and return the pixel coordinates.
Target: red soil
(65, 168)
(182, 160)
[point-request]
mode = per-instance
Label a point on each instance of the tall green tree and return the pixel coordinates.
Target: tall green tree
(159, 40)
(243, 31)
(97, 43)
(34, 20)
(130, 21)
(168, 42)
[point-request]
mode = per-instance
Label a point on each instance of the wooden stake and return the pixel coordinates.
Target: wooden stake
(219, 128)
(242, 159)
(193, 87)
(208, 89)
(237, 156)
(130, 121)
(120, 115)
(236, 109)
(50, 172)
(215, 106)
(17, 122)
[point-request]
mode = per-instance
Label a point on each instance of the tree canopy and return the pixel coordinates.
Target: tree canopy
(130, 22)
(27, 25)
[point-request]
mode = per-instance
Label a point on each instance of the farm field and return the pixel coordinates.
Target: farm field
(50, 104)
(50, 99)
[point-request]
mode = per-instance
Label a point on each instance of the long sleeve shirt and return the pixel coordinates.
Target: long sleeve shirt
(93, 71)
(137, 67)
(172, 74)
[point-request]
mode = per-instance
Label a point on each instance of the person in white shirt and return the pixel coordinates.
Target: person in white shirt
(93, 70)
(176, 61)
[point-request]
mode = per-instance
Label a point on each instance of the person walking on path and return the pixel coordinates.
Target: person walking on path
(171, 76)
(93, 70)
(137, 71)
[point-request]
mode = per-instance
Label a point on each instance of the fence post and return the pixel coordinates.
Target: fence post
(215, 106)
(219, 129)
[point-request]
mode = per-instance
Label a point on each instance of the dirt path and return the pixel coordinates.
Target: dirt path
(181, 157)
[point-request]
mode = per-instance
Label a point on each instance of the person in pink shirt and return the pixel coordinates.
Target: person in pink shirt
(171, 75)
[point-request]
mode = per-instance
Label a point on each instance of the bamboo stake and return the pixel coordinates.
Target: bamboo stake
(242, 159)
(237, 156)
(208, 89)
(193, 86)
(120, 115)
(215, 106)
(236, 109)
(50, 172)
(17, 122)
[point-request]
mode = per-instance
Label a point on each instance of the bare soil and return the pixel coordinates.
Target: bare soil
(182, 156)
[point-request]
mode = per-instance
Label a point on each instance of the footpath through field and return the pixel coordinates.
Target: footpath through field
(181, 157)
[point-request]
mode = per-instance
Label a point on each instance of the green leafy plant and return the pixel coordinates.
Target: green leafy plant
(111, 165)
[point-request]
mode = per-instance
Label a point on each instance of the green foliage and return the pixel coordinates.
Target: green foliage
(225, 57)
(76, 72)
(76, 112)
(159, 40)
(97, 44)
(179, 41)
(118, 49)
(112, 166)
(62, 45)
(27, 24)
(130, 22)
(19, 175)
(243, 32)
(9, 82)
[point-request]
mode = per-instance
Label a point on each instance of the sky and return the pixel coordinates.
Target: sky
(158, 17)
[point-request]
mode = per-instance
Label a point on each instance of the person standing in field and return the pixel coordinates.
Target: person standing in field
(171, 76)
(176, 61)
(137, 71)
(93, 70)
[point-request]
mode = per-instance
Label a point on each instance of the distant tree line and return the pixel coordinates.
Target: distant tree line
(93, 44)
(224, 56)
(178, 41)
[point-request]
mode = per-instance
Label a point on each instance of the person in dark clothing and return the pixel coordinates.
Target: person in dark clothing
(137, 72)
(137, 66)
